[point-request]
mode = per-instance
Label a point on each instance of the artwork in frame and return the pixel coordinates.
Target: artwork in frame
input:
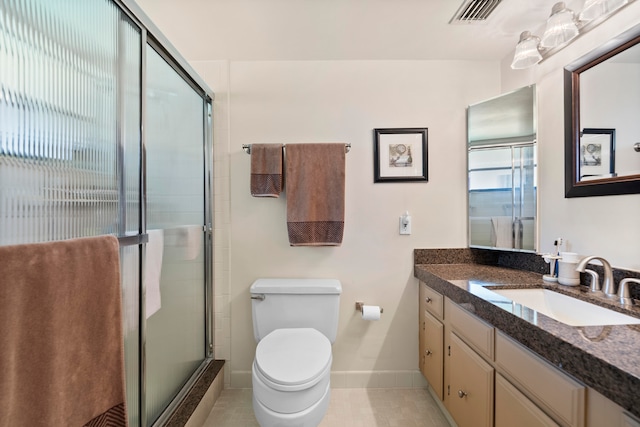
(597, 153)
(400, 155)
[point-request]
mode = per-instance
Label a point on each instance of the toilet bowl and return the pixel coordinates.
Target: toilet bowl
(290, 377)
(295, 323)
(310, 417)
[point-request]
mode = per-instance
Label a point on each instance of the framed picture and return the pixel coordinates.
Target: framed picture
(597, 153)
(400, 155)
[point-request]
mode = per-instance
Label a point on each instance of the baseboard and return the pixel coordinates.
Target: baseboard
(353, 379)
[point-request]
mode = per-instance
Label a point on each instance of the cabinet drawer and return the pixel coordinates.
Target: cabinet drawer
(474, 331)
(515, 409)
(431, 300)
(561, 396)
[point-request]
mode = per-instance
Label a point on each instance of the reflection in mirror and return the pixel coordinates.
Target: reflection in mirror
(502, 194)
(602, 106)
(597, 153)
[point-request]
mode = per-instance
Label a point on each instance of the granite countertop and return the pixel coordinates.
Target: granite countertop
(606, 358)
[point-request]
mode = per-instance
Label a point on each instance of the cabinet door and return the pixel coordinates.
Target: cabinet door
(470, 388)
(628, 421)
(421, 328)
(433, 353)
(514, 409)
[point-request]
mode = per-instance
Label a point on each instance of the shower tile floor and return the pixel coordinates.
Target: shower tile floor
(352, 407)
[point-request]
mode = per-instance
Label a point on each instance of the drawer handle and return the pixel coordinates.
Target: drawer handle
(462, 394)
(428, 353)
(428, 300)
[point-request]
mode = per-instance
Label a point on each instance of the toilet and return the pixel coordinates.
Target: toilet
(295, 321)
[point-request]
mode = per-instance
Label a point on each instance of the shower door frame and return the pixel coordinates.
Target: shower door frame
(151, 36)
(123, 132)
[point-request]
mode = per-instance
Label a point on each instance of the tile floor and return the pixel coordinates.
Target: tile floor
(348, 407)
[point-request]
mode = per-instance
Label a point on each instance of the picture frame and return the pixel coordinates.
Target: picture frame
(597, 153)
(400, 155)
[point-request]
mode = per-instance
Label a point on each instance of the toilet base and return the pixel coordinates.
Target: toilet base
(310, 417)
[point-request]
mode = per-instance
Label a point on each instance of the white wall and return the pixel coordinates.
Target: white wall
(343, 101)
(608, 225)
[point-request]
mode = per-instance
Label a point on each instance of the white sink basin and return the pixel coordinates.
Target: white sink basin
(565, 309)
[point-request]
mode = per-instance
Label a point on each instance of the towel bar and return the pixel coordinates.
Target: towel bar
(247, 148)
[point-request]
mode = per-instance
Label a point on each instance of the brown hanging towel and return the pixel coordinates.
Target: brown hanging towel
(266, 170)
(61, 352)
(315, 194)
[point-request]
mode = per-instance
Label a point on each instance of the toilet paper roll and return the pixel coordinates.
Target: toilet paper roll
(370, 312)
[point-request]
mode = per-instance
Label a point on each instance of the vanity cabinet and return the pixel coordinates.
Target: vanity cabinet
(431, 338)
(487, 379)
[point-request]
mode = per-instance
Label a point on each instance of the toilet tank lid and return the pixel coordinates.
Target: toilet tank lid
(296, 286)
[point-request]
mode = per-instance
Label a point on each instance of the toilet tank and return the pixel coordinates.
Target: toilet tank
(295, 303)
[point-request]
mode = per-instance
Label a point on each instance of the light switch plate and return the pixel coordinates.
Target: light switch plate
(405, 228)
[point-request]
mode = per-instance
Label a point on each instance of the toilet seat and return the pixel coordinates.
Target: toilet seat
(293, 358)
(292, 369)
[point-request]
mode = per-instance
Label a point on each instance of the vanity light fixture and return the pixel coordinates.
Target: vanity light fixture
(594, 9)
(527, 53)
(561, 27)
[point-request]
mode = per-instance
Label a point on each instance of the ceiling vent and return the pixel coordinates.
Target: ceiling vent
(474, 11)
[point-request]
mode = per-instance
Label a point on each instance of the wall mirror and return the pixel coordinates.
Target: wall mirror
(602, 129)
(501, 167)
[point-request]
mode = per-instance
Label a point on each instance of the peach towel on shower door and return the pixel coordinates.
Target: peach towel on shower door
(61, 346)
(315, 190)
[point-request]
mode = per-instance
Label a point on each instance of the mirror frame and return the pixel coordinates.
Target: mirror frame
(627, 184)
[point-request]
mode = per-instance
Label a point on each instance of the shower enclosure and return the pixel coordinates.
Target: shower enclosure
(105, 129)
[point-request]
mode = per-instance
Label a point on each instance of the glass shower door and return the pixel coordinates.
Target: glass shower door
(175, 255)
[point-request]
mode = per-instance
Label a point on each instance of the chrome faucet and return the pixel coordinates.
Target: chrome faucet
(623, 292)
(608, 286)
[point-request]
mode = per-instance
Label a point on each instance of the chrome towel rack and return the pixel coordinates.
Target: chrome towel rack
(247, 148)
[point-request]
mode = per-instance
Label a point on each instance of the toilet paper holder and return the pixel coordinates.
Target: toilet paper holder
(360, 304)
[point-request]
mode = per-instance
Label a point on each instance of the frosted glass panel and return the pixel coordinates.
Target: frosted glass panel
(58, 110)
(130, 120)
(70, 166)
(175, 211)
(130, 277)
(70, 135)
